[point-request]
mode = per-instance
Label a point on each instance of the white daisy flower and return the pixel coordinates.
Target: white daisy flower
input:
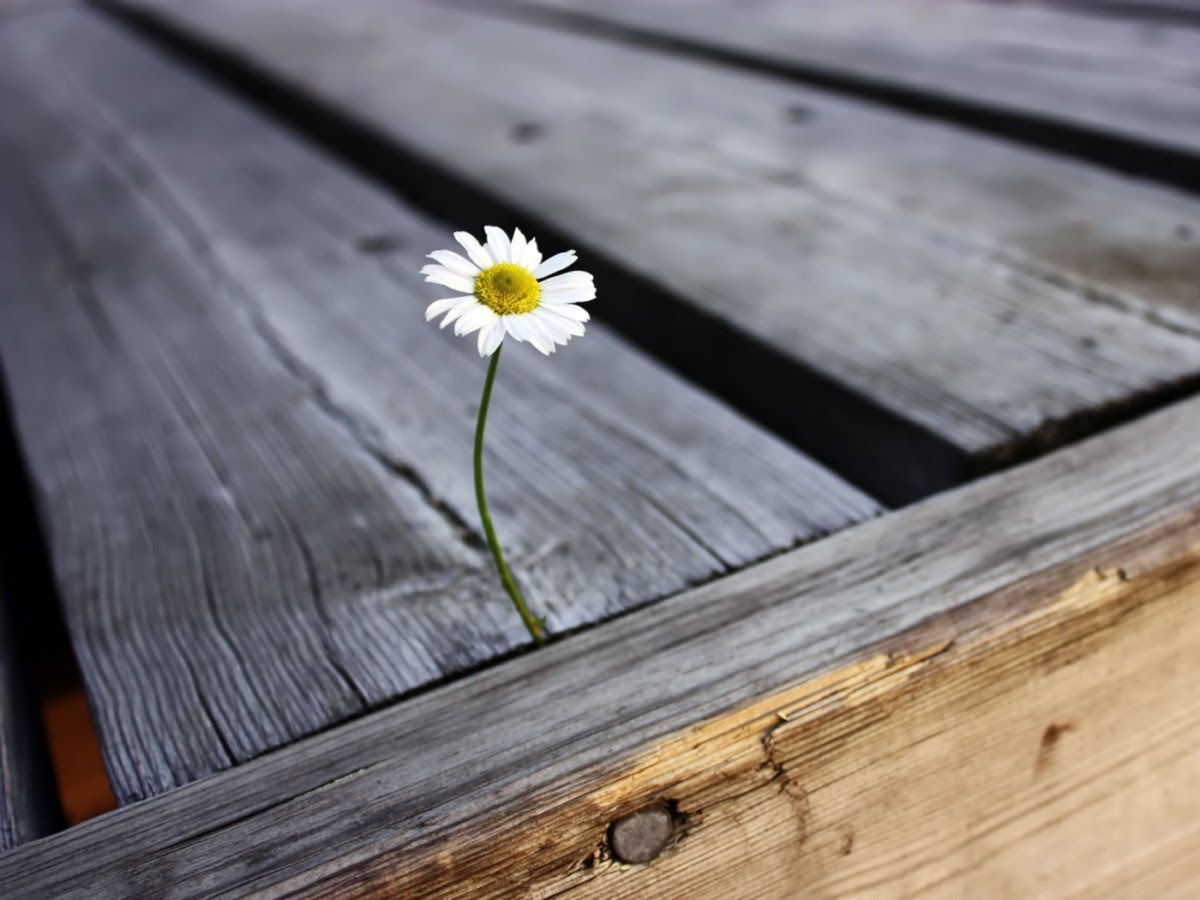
(506, 288)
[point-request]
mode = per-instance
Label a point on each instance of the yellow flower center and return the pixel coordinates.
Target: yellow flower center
(508, 289)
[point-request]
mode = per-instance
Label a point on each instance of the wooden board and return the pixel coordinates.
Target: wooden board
(10, 8)
(1133, 81)
(253, 454)
(991, 691)
(983, 302)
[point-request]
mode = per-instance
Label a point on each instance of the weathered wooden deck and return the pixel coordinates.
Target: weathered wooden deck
(866, 515)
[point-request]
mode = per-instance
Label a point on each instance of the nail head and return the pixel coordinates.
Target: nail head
(641, 836)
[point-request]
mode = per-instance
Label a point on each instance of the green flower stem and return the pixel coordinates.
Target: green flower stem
(532, 622)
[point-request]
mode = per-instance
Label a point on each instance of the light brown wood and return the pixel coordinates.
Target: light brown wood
(988, 688)
(1049, 755)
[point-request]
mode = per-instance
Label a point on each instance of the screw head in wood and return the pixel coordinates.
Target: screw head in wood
(641, 836)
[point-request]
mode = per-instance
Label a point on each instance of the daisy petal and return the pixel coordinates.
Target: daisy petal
(568, 295)
(533, 256)
(473, 319)
(456, 311)
(498, 244)
(515, 325)
(516, 250)
(490, 337)
(568, 311)
(474, 249)
(458, 264)
(437, 307)
(557, 323)
(443, 276)
(568, 280)
(556, 263)
(485, 334)
(522, 329)
(538, 328)
(567, 330)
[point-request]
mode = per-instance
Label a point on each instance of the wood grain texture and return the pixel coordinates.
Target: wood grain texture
(1135, 80)
(972, 289)
(253, 454)
(764, 704)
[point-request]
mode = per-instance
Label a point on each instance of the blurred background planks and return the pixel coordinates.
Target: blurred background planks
(978, 301)
(1038, 69)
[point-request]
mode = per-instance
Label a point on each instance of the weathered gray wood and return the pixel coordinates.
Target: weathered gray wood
(1120, 241)
(503, 782)
(12, 8)
(254, 454)
(993, 297)
(1133, 79)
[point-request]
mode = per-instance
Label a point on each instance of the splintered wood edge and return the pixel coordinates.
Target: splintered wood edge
(1006, 621)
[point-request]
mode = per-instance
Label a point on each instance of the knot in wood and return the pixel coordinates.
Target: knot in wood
(641, 836)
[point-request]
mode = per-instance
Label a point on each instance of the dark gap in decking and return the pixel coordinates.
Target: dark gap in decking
(69, 753)
(1140, 12)
(884, 454)
(1129, 156)
(1084, 423)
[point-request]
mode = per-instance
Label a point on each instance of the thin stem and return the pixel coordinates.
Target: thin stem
(531, 621)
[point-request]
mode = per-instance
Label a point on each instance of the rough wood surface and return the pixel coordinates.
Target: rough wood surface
(253, 454)
(993, 297)
(1136, 80)
(993, 687)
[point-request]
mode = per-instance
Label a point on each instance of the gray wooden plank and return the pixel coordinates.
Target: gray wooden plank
(481, 772)
(11, 8)
(254, 454)
(1132, 79)
(993, 297)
